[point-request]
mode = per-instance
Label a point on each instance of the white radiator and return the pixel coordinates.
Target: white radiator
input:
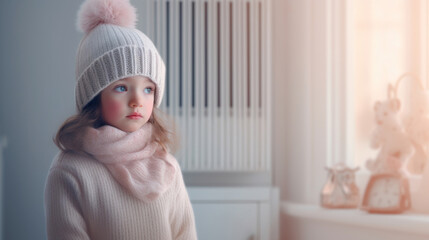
(218, 80)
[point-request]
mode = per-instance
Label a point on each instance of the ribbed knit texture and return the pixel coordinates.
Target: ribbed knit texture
(109, 53)
(134, 160)
(83, 201)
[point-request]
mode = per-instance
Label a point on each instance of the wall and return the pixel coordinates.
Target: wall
(290, 69)
(37, 48)
(310, 106)
(290, 92)
(301, 132)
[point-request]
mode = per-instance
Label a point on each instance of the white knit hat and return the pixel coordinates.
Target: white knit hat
(113, 49)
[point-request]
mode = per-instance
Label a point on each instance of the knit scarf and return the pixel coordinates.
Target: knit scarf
(134, 160)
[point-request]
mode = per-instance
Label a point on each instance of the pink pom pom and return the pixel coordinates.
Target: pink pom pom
(116, 12)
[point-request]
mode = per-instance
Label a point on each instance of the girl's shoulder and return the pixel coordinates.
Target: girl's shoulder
(73, 162)
(178, 176)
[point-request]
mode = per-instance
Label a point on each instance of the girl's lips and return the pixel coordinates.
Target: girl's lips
(134, 116)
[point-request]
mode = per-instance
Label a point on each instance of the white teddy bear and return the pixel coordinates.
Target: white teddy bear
(394, 144)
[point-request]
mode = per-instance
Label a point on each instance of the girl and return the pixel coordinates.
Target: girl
(114, 178)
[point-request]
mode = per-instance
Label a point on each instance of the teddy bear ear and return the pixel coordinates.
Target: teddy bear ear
(395, 104)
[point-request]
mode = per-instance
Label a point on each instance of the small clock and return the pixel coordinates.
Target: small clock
(386, 193)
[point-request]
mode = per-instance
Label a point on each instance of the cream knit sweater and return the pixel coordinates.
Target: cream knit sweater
(84, 201)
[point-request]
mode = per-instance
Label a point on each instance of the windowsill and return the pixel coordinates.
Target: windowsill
(407, 222)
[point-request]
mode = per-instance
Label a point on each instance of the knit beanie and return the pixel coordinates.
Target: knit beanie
(113, 49)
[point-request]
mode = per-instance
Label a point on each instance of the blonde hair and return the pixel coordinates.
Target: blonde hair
(67, 137)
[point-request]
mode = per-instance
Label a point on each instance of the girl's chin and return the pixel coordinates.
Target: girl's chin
(131, 127)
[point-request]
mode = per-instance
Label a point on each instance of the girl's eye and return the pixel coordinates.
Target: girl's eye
(148, 90)
(120, 88)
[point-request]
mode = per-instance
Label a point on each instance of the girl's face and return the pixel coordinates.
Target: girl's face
(128, 103)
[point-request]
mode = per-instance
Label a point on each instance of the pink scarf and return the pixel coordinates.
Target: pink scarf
(137, 163)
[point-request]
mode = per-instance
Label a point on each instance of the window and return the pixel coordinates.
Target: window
(357, 48)
(386, 38)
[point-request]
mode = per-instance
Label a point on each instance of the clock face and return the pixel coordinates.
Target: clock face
(385, 193)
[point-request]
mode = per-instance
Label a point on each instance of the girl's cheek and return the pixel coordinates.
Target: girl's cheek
(112, 110)
(151, 110)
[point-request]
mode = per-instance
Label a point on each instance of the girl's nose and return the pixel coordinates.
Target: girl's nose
(136, 101)
(134, 105)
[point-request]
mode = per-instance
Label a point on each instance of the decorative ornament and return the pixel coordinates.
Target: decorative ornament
(340, 190)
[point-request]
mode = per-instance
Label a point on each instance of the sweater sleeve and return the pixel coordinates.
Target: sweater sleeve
(64, 218)
(183, 224)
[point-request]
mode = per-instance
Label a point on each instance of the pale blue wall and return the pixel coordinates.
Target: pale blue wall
(37, 51)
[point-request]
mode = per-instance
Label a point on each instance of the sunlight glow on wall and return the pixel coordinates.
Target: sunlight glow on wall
(386, 42)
